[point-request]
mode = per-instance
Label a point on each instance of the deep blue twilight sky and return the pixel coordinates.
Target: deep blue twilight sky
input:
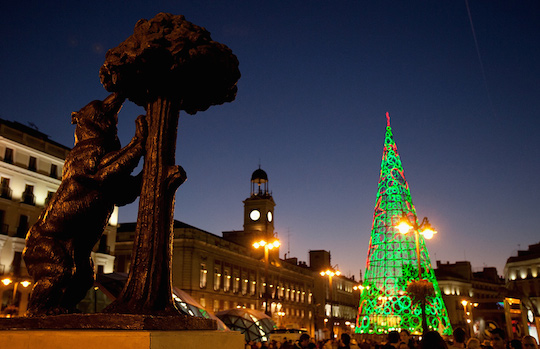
(317, 80)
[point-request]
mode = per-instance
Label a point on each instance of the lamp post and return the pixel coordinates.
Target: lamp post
(360, 288)
(330, 273)
(427, 231)
(16, 282)
(267, 246)
(467, 313)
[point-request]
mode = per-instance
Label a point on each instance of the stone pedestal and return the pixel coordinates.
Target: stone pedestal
(120, 339)
(115, 331)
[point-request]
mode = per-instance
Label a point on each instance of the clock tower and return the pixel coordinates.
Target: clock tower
(259, 207)
(258, 214)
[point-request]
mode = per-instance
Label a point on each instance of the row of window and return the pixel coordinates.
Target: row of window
(340, 311)
(523, 273)
(28, 196)
(32, 163)
(342, 285)
(219, 305)
(246, 284)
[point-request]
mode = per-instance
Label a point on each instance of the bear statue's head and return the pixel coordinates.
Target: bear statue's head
(98, 119)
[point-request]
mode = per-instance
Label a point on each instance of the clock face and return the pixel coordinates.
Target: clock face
(269, 216)
(255, 215)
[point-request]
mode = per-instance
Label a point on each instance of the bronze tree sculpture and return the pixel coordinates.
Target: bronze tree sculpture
(167, 65)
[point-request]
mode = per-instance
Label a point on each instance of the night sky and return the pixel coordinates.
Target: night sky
(317, 80)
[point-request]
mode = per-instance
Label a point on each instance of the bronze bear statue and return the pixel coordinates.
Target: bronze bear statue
(95, 178)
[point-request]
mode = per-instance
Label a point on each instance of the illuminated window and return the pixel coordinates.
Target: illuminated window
(236, 282)
(202, 276)
(245, 283)
(226, 280)
(253, 285)
(217, 279)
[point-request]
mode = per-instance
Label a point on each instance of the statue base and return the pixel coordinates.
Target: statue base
(108, 321)
(115, 331)
(121, 339)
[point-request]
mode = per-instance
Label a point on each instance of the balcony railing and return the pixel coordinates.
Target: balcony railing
(5, 192)
(22, 230)
(29, 198)
(49, 197)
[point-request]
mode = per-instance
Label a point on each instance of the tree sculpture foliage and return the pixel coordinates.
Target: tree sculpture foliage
(170, 56)
(167, 65)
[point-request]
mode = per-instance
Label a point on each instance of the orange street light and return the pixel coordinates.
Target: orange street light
(15, 281)
(427, 231)
(330, 273)
(267, 246)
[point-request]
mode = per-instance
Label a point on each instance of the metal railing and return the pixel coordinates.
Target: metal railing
(29, 198)
(5, 192)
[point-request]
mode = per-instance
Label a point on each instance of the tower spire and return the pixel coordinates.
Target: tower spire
(392, 261)
(387, 119)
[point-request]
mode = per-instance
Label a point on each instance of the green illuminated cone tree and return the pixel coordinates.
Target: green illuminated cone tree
(392, 262)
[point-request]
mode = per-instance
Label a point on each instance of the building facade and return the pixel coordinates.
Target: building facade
(224, 272)
(522, 274)
(475, 300)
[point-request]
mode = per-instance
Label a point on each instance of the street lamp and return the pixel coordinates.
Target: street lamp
(16, 282)
(467, 313)
(330, 273)
(267, 246)
(427, 231)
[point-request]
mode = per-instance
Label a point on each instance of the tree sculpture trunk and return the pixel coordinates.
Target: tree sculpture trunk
(167, 65)
(149, 286)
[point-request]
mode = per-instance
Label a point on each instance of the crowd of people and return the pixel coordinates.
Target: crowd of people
(404, 340)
